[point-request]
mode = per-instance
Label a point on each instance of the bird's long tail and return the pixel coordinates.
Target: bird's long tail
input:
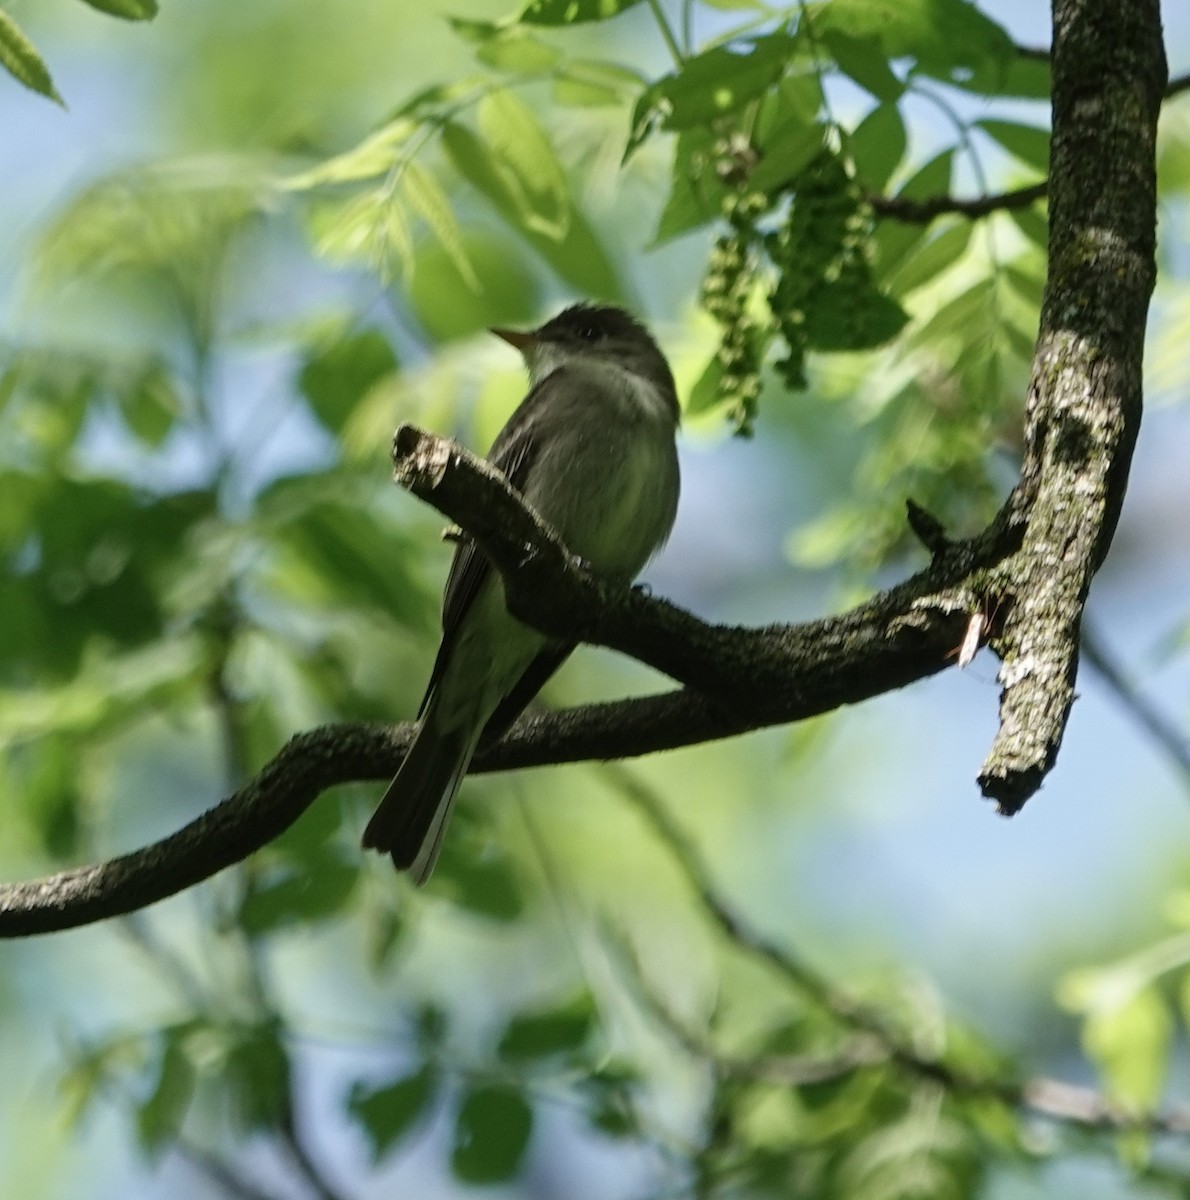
(412, 816)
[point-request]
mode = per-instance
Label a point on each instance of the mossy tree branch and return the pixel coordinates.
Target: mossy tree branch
(1024, 579)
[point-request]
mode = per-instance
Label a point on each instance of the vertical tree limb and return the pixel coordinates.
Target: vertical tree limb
(1085, 395)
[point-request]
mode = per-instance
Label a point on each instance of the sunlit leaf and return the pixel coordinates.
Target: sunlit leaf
(578, 257)
(168, 226)
(895, 239)
(1130, 1043)
(427, 199)
(523, 158)
(929, 261)
(370, 227)
(590, 83)
(376, 155)
(507, 47)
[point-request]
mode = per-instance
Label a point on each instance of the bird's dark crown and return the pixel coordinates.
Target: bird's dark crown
(594, 323)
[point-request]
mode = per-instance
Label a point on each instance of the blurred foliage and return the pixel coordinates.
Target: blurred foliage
(202, 555)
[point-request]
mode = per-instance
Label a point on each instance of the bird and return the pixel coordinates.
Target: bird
(592, 448)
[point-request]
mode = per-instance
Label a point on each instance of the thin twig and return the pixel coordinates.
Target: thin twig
(921, 212)
(1050, 1099)
(1146, 714)
(219, 1172)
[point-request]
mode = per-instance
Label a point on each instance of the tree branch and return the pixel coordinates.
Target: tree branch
(875, 1041)
(922, 212)
(1030, 569)
(1085, 394)
(927, 209)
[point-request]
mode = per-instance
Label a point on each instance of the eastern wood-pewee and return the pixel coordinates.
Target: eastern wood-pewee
(591, 448)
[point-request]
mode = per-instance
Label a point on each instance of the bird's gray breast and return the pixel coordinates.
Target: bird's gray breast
(606, 471)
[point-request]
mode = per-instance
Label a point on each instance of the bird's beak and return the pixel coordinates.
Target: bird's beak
(523, 341)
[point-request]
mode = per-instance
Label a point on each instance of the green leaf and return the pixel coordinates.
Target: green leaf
(369, 227)
(491, 1134)
(553, 1031)
(507, 47)
(1028, 285)
(165, 229)
(579, 258)
(697, 193)
(151, 407)
(894, 239)
(19, 57)
(447, 307)
(104, 557)
(93, 1069)
(258, 1074)
(571, 12)
(862, 60)
(317, 889)
(1033, 223)
(388, 1113)
(1026, 142)
(590, 83)
(339, 371)
(706, 394)
(1130, 1043)
(430, 202)
(877, 146)
(709, 86)
(129, 10)
(949, 39)
(784, 154)
(334, 552)
(46, 773)
(160, 1117)
(1018, 76)
(524, 159)
(928, 262)
(376, 155)
(486, 886)
(957, 316)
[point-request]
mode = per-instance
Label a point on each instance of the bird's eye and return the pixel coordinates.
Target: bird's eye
(589, 333)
